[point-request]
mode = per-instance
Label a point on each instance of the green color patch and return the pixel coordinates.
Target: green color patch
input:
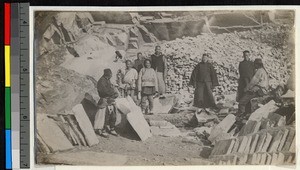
(7, 108)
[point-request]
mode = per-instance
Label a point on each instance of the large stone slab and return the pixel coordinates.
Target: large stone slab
(248, 145)
(123, 105)
(139, 124)
(51, 134)
(159, 123)
(289, 140)
(166, 132)
(86, 158)
(236, 145)
(293, 146)
(254, 143)
(253, 160)
(243, 159)
(222, 127)
(276, 141)
(263, 111)
(267, 142)
(132, 105)
(232, 142)
(263, 159)
(260, 142)
(76, 129)
(280, 159)
(269, 159)
(282, 140)
(243, 144)
(137, 121)
(274, 159)
(222, 147)
(85, 125)
(41, 144)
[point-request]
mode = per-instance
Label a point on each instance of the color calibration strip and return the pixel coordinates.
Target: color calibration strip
(8, 148)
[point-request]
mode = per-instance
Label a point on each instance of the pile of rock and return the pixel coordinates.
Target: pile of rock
(226, 52)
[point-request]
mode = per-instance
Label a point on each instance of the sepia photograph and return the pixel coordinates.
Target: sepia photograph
(164, 88)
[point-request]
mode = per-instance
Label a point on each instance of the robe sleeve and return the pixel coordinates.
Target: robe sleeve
(165, 66)
(214, 77)
(193, 78)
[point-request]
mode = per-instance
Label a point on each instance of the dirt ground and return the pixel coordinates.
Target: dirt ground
(156, 150)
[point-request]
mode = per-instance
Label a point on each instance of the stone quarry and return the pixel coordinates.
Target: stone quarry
(75, 47)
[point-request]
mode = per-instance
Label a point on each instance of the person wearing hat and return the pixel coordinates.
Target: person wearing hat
(105, 118)
(257, 87)
(246, 71)
(204, 79)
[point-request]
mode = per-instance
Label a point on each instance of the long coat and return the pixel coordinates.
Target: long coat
(246, 71)
(204, 79)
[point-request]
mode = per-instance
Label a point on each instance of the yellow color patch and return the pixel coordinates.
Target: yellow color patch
(7, 65)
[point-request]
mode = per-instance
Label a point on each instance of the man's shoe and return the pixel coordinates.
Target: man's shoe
(113, 132)
(162, 97)
(207, 111)
(104, 134)
(150, 113)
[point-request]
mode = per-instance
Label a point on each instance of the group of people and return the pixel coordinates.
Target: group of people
(144, 79)
(253, 82)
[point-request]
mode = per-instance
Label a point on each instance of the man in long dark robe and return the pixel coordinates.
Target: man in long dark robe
(204, 79)
(246, 70)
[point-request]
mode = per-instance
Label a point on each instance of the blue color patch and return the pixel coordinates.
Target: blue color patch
(8, 150)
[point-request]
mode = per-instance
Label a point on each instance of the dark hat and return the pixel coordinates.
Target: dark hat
(107, 71)
(258, 61)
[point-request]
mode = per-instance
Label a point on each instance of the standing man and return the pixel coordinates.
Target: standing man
(105, 118)
(159, 64)
(246, 70)
(139, 62)
(204, 79)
